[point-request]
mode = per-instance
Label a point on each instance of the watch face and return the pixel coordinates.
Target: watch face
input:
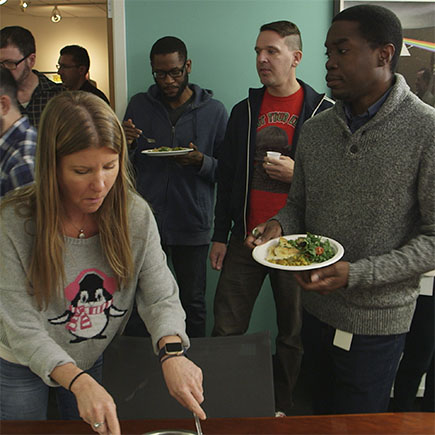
(173, 347)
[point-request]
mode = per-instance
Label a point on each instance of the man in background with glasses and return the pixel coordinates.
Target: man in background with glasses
(18, 55)
(175, 113)
(73, 68)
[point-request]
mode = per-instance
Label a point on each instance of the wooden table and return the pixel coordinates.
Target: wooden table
(391, 423)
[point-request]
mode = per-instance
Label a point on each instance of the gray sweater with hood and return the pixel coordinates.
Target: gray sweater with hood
(374, 192)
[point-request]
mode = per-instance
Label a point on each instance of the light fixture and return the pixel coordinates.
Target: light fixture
(24, 5)
(55, 15)
(2, 2)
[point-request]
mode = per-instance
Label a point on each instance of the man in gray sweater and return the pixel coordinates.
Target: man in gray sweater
(365, 176)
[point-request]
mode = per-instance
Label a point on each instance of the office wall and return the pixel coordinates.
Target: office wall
(90, 33)
(220, 36)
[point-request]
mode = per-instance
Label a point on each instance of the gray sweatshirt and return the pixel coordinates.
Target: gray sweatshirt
(82, 321)
(374, 192)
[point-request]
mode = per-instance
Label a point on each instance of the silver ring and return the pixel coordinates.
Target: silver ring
(256, 233)
(97, 425)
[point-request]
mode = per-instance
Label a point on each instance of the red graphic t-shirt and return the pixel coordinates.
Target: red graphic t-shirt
(276, 125)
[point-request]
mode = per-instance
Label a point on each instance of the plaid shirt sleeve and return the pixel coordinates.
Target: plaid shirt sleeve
(17, 162)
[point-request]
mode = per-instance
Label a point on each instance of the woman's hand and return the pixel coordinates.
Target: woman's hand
(184, 381)
(94, 403)
(96, 406)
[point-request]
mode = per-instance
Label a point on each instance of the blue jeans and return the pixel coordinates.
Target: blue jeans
(24, 396)
(354, 381)
(190, 267)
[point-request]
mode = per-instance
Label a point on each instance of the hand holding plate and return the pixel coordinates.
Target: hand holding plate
(326, 279)
(263, 233)
(194, 158)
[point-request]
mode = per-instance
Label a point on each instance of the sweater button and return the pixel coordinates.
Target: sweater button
(353, 149)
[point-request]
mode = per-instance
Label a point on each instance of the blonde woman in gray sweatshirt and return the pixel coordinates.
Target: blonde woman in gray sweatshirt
(74, 247)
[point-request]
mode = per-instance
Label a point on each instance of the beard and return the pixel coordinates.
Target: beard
(181, 87)
(23, 76)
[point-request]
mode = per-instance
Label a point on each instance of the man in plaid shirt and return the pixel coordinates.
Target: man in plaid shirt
(17, 54)
(17, 138)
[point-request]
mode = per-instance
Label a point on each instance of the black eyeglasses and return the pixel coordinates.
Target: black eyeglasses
(175, 73)
(62, 66)
(11, 65)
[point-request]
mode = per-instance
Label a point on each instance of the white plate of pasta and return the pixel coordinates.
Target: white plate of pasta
(298, 252)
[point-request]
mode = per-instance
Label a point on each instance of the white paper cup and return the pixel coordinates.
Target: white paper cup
(273, 155)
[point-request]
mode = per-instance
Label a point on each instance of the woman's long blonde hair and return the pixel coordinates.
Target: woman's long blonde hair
(71, 122)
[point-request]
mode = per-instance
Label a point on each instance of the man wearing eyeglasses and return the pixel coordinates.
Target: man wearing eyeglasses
(73, 68)
(18, 55)
(175, 113)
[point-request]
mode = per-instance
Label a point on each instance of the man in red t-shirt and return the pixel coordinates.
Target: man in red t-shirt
(253, 187)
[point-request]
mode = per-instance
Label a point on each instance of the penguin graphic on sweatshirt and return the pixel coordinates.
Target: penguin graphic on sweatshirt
(91, 306)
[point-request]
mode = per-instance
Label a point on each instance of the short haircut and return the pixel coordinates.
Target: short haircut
(377, 25)
(426, 74)
(8, 85)
(284, 29)
(79, 54)
(167, 45)
(18, 36)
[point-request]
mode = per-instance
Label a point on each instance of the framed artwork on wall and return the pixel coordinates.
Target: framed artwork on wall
(418, 51)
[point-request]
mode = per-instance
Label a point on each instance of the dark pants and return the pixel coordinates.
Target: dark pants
(418, 358)
(349, 382)
(239, 284)
(190, 267)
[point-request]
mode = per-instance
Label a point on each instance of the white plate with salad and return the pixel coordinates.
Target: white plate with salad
(298, 252)
(167, 151)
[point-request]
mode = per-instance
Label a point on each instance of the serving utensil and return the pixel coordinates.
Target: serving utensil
(197, 424)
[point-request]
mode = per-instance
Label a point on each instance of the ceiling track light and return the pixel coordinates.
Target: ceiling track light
(2, 2)
(55, 15)
(24, 5)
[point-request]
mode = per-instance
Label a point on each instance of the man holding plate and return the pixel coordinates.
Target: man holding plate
(255, 173)
(373, 190)
(178, 184)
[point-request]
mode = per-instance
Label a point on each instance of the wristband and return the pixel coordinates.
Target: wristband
(75, 378)
(162, 360)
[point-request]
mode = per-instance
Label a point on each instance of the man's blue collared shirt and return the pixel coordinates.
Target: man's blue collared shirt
(356, 121)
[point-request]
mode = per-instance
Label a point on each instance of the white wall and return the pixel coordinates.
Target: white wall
(90, 33)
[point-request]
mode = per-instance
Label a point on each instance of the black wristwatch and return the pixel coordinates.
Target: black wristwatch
(171, 349)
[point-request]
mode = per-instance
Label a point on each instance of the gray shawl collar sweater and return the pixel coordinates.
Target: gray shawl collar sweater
(374, 192)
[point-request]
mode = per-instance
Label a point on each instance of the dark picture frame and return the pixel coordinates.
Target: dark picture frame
(418, 22)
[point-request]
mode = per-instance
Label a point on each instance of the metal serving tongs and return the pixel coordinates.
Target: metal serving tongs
(197, 425)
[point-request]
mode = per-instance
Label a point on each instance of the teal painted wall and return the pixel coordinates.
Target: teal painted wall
(220, 37)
